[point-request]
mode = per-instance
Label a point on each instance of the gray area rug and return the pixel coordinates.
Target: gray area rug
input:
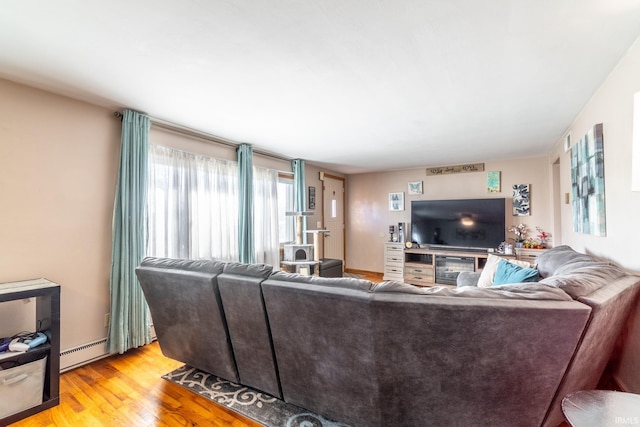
(261, 407)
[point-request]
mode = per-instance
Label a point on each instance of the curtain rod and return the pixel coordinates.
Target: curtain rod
(184, 130)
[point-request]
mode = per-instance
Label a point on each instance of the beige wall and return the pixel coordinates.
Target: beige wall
(58, 163)
(612, 105)
(369, 217)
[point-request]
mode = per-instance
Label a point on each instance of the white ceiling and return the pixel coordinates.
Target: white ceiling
(358, 85)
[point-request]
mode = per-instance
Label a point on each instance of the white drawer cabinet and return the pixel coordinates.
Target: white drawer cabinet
(529, 255)
(393, 261)
(419, 274)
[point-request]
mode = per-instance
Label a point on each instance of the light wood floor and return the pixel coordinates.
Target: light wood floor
(127, 390)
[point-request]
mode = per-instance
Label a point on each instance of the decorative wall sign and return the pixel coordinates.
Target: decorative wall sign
(396, 201)
(445, 170)
(415, 187)
(312, 197)
(521, 200)
(587, 184)
(493, 182)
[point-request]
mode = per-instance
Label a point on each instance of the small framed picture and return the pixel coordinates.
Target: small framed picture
(493, 182)
(415, 187)
(396, 201)
(312, 198)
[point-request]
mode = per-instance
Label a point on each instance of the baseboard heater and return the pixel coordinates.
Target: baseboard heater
(82, 354)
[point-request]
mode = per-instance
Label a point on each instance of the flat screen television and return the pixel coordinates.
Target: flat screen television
(462, 224)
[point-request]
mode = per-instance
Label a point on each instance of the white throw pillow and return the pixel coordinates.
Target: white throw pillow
(489, 270)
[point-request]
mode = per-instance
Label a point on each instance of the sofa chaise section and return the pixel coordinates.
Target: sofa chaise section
(187, 313)
(611, 293)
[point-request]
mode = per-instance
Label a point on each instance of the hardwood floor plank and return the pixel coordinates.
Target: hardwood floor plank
(127, 390)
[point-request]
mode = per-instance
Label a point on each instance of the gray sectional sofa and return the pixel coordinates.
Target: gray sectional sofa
(387, 354)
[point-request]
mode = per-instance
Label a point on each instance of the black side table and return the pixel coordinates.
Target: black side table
(601, 408)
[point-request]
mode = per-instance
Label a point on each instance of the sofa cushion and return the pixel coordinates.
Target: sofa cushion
(199, 265)
(338, 282)
(253, 270)
(468, 278)
(582, 278)
(529, 291)
(510, 273)
(490, 267)
(549, 261)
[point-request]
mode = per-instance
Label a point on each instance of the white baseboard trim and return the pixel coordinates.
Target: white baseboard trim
(83, 354)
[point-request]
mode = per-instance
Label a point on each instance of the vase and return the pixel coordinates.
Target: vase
(519, 244)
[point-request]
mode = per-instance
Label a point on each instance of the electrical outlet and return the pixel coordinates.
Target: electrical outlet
(106, 320)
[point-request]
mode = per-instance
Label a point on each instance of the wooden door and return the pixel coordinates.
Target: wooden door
(333, 216)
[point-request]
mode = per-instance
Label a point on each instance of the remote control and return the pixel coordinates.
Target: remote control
(28, 341)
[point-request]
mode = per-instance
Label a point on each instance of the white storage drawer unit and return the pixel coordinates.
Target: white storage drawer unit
(393, 261)
(21, 387)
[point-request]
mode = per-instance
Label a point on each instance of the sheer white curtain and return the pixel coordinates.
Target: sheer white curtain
(192, 207)
(265, 210)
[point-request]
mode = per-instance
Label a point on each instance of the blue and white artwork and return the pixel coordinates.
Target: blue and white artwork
(521, 200)
(587, 184)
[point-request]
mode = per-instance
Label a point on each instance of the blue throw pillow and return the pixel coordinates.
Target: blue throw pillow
(511, 273)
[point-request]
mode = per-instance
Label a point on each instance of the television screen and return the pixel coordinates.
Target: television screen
(467, 223)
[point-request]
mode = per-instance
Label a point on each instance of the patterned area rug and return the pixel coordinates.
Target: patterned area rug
(261, 407)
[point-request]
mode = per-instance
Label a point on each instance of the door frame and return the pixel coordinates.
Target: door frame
(324, 175)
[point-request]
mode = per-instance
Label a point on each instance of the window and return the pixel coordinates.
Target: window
(192, 205)
(286, 224)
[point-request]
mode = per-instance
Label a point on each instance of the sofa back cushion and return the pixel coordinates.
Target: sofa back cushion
(187, 313)
(261, 271)
(549, 261)
(523, 291)
(324, 346)
(334, 282)
(581, 278)
(248, 327)
(196, 265)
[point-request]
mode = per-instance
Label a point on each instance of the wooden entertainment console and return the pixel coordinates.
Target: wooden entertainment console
(430, 267)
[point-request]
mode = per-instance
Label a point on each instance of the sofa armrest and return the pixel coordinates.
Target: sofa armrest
(467, 278)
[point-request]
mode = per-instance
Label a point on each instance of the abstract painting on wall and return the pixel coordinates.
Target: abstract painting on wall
(587, 184)
(521, 200)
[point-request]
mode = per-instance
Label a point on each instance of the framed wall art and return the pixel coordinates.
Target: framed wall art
(396, 201)
(587, 184)
(493, 182)
(521, 206)
(312, 197)
(415, 187)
